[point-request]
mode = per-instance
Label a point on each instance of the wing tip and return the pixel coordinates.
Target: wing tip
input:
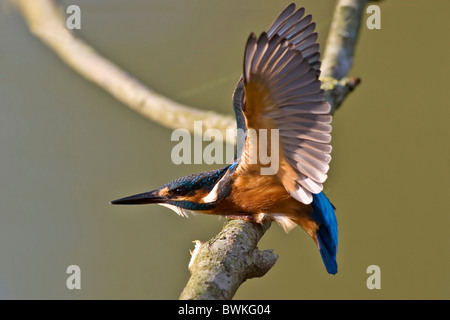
(301, 194)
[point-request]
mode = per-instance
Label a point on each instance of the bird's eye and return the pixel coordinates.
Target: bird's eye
(179, 191)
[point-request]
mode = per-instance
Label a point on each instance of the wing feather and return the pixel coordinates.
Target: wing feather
(280, 19)
(249, 52)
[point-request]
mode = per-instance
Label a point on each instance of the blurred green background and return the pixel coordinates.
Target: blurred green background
(68, 148)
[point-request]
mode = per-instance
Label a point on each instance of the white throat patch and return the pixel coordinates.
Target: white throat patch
(212, 195)
(179, 211)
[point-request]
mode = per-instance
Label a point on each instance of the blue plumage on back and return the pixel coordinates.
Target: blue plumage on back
(327, 234)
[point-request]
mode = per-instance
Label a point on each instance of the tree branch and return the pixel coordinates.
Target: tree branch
(219, 266)
(341, 42)
(339, 51)
(45, 21)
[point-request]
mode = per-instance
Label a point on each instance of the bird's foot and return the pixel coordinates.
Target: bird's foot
(257, 218)
(245, 217)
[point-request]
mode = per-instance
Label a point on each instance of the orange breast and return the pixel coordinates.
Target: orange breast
(252, 195)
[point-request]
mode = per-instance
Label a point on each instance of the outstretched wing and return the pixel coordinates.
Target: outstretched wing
(281, 90)
(298, 29)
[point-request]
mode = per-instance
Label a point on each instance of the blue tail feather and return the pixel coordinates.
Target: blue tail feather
(327, 234)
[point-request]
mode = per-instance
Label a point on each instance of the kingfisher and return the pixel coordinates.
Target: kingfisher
(278, 90)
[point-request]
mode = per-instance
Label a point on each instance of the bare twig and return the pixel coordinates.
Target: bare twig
(339, 51)
(341, 42)
(337, 90)
(219, 266)
(46, 22)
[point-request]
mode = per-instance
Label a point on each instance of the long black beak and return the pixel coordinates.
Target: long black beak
(141, 198)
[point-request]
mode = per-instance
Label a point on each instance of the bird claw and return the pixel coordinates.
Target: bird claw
(245, 217)
(259, 218)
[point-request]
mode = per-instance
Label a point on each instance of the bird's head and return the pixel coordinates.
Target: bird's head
(194, 192)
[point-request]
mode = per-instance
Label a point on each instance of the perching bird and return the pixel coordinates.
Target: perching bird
(279, 89)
